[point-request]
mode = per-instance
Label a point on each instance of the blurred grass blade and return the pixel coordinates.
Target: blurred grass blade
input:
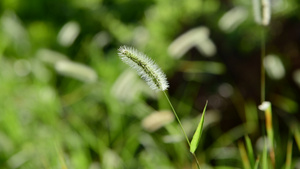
(256, 11)
(267, 108)
(198, 38)
(202, 67)
(264, 160)
(68, 33)
(76, 70)
(250, 150)
(232, 19)
(297, 136)
(289, 154)
(256, 163)
(61, 157)
(156, 120)
(274, 67)
(198, 132)
(244, 155)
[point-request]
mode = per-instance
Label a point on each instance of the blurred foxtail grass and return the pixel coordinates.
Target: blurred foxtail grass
(267, 108)
(262, 15)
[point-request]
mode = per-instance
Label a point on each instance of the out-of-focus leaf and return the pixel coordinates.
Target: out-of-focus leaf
(289, 152)
(250, 150)
(256, 163)
(68, 33)
(274, 67)
(202, 67)
(156, 120)
(232, 19)
(264, 160)
(76, 70)
(197, 37)
(244, 155)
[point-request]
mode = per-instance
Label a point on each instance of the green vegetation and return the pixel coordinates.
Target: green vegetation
(67, 100)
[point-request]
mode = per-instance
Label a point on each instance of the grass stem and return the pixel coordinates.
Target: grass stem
(262, 68)
(185, 135)
(177, 118)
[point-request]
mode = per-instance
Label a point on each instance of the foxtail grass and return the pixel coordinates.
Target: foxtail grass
(156, 79)
(267, 108)
(262, 15)
(145, 67)
(262, 11)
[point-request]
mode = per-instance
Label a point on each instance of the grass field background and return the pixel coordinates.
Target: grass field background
(67, 101)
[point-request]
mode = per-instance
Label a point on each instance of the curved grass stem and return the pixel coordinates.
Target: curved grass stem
(178, 120)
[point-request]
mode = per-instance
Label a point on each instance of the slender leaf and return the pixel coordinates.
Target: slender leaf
(289, 154)
(250, 150)
(256, 163)
(61, 158)
(198, 132)
(265, 157)
(297, 136)
(244, 155)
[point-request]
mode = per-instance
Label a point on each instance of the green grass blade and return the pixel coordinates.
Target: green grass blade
(61, 158)
(256, 163)
(267, 108)
(250, 150)
(289, 154)
(297, 136)
(244, 155)
(265, 157)
(198, 132)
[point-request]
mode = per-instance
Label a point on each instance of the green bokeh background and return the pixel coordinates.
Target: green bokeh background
(90, 115)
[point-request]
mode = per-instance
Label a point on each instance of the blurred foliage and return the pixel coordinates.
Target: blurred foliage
(67, 101)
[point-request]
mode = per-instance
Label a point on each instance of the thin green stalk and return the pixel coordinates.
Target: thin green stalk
(264, 160)
(197, 162)
(178, 120)
(262, 68)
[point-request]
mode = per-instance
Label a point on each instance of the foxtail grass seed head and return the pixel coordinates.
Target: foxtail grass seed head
(262, 11)
(145, 67)
(256, 11)
(264, 106)
(76, 70)
(266, 12)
